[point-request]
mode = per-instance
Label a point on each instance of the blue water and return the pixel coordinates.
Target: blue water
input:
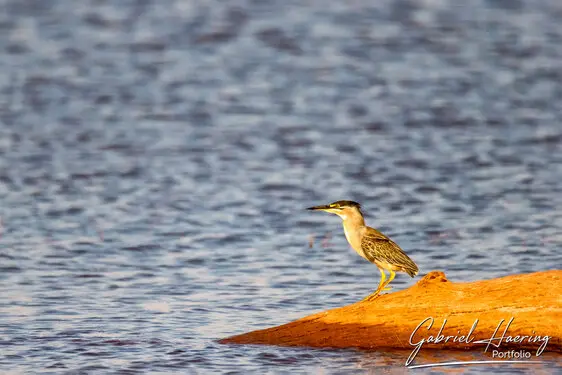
(156, 158)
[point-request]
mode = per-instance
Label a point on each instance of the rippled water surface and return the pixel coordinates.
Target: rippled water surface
(156, 158)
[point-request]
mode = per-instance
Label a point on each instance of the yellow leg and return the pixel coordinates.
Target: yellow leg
(392, 274)
(375, 294)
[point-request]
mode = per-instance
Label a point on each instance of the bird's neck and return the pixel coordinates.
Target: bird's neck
(353, 220)
(354, 223)
(353, 226)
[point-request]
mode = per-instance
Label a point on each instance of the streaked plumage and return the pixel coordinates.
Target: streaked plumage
(380, 249)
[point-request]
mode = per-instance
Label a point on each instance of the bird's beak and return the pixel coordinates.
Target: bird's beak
(319, 208)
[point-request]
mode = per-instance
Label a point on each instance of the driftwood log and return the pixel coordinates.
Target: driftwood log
(522, 312)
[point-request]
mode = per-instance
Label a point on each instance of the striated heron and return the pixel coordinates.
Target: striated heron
(370, 244)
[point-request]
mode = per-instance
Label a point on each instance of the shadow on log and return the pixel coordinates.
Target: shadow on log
(529, 305)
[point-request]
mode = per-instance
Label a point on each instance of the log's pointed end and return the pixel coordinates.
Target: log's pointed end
(229, 340)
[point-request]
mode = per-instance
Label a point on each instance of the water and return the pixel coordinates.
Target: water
(156, 158)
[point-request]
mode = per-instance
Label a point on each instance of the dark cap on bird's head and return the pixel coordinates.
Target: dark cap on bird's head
(338, 205)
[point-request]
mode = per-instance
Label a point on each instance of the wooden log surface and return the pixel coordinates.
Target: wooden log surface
(507, 308)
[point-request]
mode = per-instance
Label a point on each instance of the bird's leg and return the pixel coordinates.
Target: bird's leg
(375, 294)
(385, 286)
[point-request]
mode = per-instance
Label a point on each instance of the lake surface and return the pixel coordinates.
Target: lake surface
(156, 158)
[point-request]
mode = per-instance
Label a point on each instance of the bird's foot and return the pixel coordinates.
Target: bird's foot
(370, 297)
(373, 296)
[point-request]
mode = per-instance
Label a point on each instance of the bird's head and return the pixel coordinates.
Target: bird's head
(343, 209)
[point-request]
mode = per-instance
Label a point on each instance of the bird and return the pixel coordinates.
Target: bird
(370, 244)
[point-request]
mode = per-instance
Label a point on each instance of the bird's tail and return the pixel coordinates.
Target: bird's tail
(410, 267)
(411, 271)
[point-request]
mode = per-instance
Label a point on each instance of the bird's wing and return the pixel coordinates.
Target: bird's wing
(379, 248)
